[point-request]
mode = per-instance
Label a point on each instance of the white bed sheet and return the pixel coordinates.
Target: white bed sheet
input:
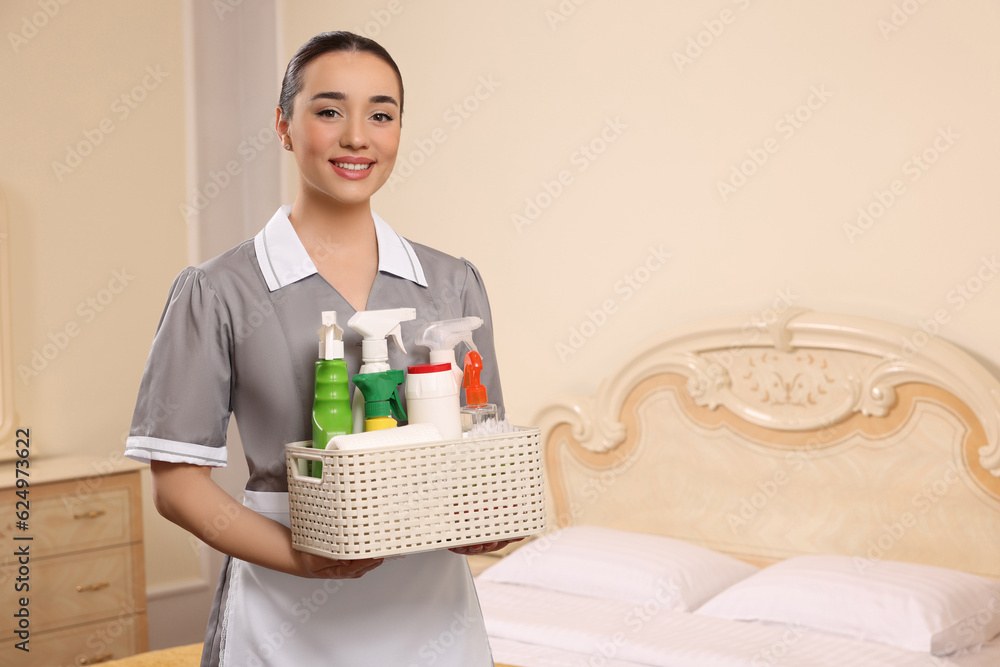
(533, 627)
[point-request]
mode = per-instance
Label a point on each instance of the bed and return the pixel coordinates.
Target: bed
(790, 488)
(831, 453)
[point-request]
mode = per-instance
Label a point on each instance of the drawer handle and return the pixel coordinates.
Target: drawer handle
(93, 587)
(104, 657)
(92, 514)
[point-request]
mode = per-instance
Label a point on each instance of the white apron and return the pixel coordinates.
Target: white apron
(412, 610)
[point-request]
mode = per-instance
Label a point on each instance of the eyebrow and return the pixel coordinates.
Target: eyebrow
(337, 95)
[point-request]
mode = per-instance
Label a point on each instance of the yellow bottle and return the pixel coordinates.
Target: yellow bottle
(379, 423)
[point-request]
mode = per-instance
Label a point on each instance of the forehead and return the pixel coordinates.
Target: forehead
(360, 73)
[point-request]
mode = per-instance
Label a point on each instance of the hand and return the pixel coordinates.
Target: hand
(319, 567)
(472, 549)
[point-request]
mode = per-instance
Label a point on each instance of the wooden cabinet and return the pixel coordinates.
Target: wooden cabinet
(86, 601)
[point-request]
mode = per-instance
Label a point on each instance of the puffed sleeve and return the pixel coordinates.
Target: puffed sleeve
(475, 302)
(183, 408)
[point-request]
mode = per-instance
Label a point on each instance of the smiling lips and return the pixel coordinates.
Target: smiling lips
(353, 168)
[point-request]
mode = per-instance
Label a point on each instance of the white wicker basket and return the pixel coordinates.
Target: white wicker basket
(408, 498)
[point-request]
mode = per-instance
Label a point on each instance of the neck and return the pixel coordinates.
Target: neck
(314, 217)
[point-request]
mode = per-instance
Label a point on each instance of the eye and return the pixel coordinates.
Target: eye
(381, 117)
(328, 113)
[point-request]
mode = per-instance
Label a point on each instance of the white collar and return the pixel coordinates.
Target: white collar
(283, 259)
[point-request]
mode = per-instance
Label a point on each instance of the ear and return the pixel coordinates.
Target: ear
(280, 124)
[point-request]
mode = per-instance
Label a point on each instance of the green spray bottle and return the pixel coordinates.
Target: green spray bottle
(331, 415)
(381, 398)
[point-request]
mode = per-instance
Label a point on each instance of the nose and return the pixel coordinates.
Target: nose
(355, 133)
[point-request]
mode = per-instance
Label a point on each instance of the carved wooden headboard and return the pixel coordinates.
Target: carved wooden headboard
(814, 433)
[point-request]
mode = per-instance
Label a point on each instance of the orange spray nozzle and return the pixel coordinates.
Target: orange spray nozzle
(475, 392)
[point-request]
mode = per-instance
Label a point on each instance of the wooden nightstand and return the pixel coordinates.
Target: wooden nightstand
(86, 573)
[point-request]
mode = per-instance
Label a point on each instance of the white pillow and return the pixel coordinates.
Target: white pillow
(619, 565)
(910, 606)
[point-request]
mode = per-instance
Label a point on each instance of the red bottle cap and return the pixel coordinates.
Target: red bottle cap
(428, 368)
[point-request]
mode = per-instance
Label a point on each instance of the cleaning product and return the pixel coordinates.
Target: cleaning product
(432, 390)
(476, 409)
(432, 398)
(375, 326)
(382, 405)
(331, 415)
(443, 336)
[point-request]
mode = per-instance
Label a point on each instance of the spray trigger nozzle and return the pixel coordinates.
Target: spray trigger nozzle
(375, 326)
(475, 392)
(380, 393)
(397, 336)
(331, 344)
(442, 337)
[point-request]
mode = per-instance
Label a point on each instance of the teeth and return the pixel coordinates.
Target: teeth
(353, 167)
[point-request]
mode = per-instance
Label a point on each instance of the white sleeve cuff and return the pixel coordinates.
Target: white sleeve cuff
(145, 449)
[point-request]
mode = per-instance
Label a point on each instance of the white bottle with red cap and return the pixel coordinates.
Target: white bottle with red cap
(432, 398)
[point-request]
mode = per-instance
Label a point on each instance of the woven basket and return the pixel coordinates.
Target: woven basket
(408, 498)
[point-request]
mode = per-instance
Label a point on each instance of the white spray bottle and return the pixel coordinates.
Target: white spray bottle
(375, 326)
(432, 390)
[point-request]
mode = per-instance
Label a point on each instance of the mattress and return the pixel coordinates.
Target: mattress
(534, 627)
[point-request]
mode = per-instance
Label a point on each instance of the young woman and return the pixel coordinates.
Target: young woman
(238, 336)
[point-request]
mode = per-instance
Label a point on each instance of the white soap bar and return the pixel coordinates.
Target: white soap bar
(411, 434)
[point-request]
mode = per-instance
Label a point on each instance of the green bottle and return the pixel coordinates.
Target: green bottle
(331, 415)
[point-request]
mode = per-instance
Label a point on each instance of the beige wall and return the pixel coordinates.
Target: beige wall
(835, 98)
(95, 235)
(502, 99)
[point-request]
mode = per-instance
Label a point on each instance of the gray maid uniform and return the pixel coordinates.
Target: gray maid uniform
(239, 335)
